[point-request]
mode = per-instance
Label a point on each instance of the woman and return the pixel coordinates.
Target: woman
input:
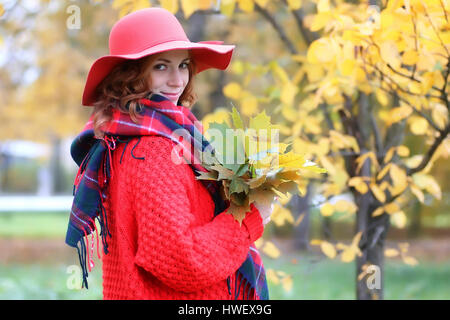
(165, 234)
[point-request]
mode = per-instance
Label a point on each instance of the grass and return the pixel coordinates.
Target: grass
(335, 280)
(45, 282)
(33, 224)
(323, 280)
(312, 278)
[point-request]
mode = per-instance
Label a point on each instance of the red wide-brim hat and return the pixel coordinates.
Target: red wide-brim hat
(146, 32)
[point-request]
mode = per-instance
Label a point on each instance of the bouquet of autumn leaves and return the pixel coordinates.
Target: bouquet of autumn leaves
(251, 163)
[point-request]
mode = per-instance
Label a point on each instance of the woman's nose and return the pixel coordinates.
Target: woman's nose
(176, 78)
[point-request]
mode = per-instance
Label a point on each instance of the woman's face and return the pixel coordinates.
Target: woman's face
(169, 74)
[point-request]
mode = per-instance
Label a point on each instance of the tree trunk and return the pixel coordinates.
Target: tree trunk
(5, 163)
(416, 223)
(56, 170)
(326, 228)
(371, 286)
(301, 205)
(374, 231)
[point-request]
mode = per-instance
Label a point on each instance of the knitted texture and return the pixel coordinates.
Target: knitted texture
(165, 243)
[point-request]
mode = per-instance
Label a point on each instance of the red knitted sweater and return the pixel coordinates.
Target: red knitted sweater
(165, 243)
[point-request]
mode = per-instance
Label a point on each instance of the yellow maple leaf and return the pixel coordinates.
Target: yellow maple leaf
(291, 160)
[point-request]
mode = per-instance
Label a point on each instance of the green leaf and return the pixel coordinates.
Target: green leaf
(217, 132)
(228, 145)
(238, 185)
(224, 173)
(237, 121)
(242, 169)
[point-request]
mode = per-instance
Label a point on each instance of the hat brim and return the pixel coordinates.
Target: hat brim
(206, 54)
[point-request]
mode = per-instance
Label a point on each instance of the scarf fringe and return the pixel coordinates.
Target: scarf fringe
(81, 249)
(244, 284)
(86, 254)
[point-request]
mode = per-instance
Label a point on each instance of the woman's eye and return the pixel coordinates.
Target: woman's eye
(183, 65)
(157, 67)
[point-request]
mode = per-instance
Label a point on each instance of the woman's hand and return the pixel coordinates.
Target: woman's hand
(265, 210)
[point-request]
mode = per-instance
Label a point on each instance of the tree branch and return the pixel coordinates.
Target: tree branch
(278, 28)
(330, 124)
(307, 35)
(425, 116)
(443, 134)
(377, 136)
(411, 78)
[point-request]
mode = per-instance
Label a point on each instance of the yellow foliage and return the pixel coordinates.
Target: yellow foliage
(287, 283)
(348, 255)
(323, 50)
(272, 276)
(428, 183)
(294, 4)
(410, 57)
(271, 250)
(359, 184)
(288, 92)
(170, 5)
(227, 7)
(328, 249)
(128, 6)
(281, 215)
(246, 5)
(418, 193)
(398, 114)
(439, 114)
(327, 209)
(220, 115)
(398, 219)
(410, 260)
(392, 208)
(249, 106)
(233, 90)
(391, 253)
(299, 220)
(403, 151)
(377, 192)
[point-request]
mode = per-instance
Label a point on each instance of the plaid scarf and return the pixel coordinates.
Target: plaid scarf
(93, 156)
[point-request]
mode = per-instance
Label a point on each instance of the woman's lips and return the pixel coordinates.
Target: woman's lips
(171, 95)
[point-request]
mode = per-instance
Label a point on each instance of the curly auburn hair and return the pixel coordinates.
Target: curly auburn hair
(128, 82)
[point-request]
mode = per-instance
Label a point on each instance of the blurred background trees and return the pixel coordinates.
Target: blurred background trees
(359, 87)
